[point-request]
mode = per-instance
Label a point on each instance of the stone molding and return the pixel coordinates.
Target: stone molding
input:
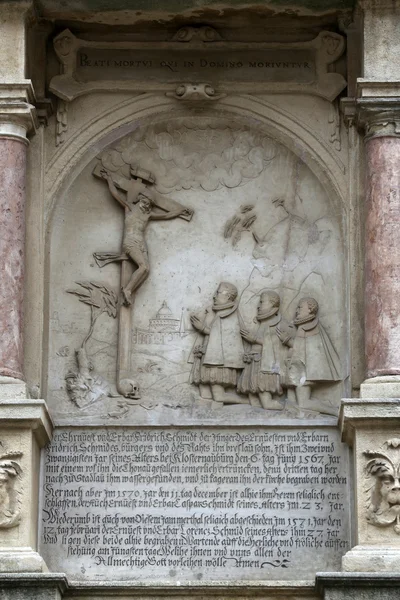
(357, 413)
(232, 589)
(369, 586)
(27, 414)
(18, 115)
(47, 586)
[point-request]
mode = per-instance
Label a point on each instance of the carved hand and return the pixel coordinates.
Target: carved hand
(246, 335)
(283, 336)
(196, 322)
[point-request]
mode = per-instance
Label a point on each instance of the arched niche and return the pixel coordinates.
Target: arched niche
(218, 162)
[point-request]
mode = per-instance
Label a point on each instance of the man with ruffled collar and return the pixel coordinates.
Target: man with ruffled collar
(265, 359)
(313, 358)
(218, 351)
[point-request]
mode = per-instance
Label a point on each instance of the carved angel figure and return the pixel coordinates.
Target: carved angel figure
(382, 485)
(10, 473)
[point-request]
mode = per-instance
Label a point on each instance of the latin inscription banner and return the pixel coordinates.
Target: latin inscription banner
(186, 65)
(191, 505)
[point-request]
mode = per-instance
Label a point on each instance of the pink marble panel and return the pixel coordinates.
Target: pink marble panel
(382, 240)
(12, 239)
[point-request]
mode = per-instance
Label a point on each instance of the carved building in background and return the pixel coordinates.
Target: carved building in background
(199, 299)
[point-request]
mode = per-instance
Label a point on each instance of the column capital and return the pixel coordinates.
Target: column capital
(18, 115)
(379, 116)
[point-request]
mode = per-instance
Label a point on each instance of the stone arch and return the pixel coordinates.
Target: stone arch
(115, 123)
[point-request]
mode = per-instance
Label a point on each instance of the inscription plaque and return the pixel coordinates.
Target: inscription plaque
(158, 66)
(239, 65)
(186, 505)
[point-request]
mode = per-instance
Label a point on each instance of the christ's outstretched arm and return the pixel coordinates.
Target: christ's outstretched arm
(114, 192)
(171, 214)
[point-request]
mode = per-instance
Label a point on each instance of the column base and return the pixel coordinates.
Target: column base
(371, 559)
(21, 560)
(387, 386)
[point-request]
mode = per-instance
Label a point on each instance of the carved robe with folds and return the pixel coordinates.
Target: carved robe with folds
(265, 360)
(217, 355)
(313, 349)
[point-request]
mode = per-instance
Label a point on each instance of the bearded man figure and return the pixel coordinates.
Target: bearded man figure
(217, 355)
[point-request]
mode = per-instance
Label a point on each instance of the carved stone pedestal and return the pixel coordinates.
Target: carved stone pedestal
(371, 428)
(25, 427)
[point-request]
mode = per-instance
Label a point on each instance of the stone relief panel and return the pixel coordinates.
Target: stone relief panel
(216, 293)
(10, 492)
(382, 485)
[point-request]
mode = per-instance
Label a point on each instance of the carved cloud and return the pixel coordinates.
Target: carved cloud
(211, 157)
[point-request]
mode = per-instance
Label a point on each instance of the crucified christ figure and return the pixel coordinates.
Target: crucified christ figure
(139, 207)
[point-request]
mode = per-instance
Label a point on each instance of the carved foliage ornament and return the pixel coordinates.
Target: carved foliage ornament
(382, 485)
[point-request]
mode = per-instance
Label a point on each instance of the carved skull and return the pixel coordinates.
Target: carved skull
(129, 388)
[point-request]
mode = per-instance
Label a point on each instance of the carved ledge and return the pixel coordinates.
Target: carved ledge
(17, 109)
(370, 559)
(361, 413)
(27, 414)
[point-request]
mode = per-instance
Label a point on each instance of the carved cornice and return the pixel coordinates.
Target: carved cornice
(18, 115)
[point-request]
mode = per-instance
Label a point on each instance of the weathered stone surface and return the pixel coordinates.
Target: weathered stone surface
(12, 240)
(190, 505)
(382, 291)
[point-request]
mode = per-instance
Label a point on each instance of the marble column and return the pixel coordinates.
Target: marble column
(13, 144)
(382, 250)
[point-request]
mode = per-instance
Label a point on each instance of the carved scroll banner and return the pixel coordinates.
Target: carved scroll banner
(300, 67)
(187, 505)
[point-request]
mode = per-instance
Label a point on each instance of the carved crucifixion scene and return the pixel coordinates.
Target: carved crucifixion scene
(204, 281)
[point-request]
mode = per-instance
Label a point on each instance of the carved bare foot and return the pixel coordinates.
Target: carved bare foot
(126, 297)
